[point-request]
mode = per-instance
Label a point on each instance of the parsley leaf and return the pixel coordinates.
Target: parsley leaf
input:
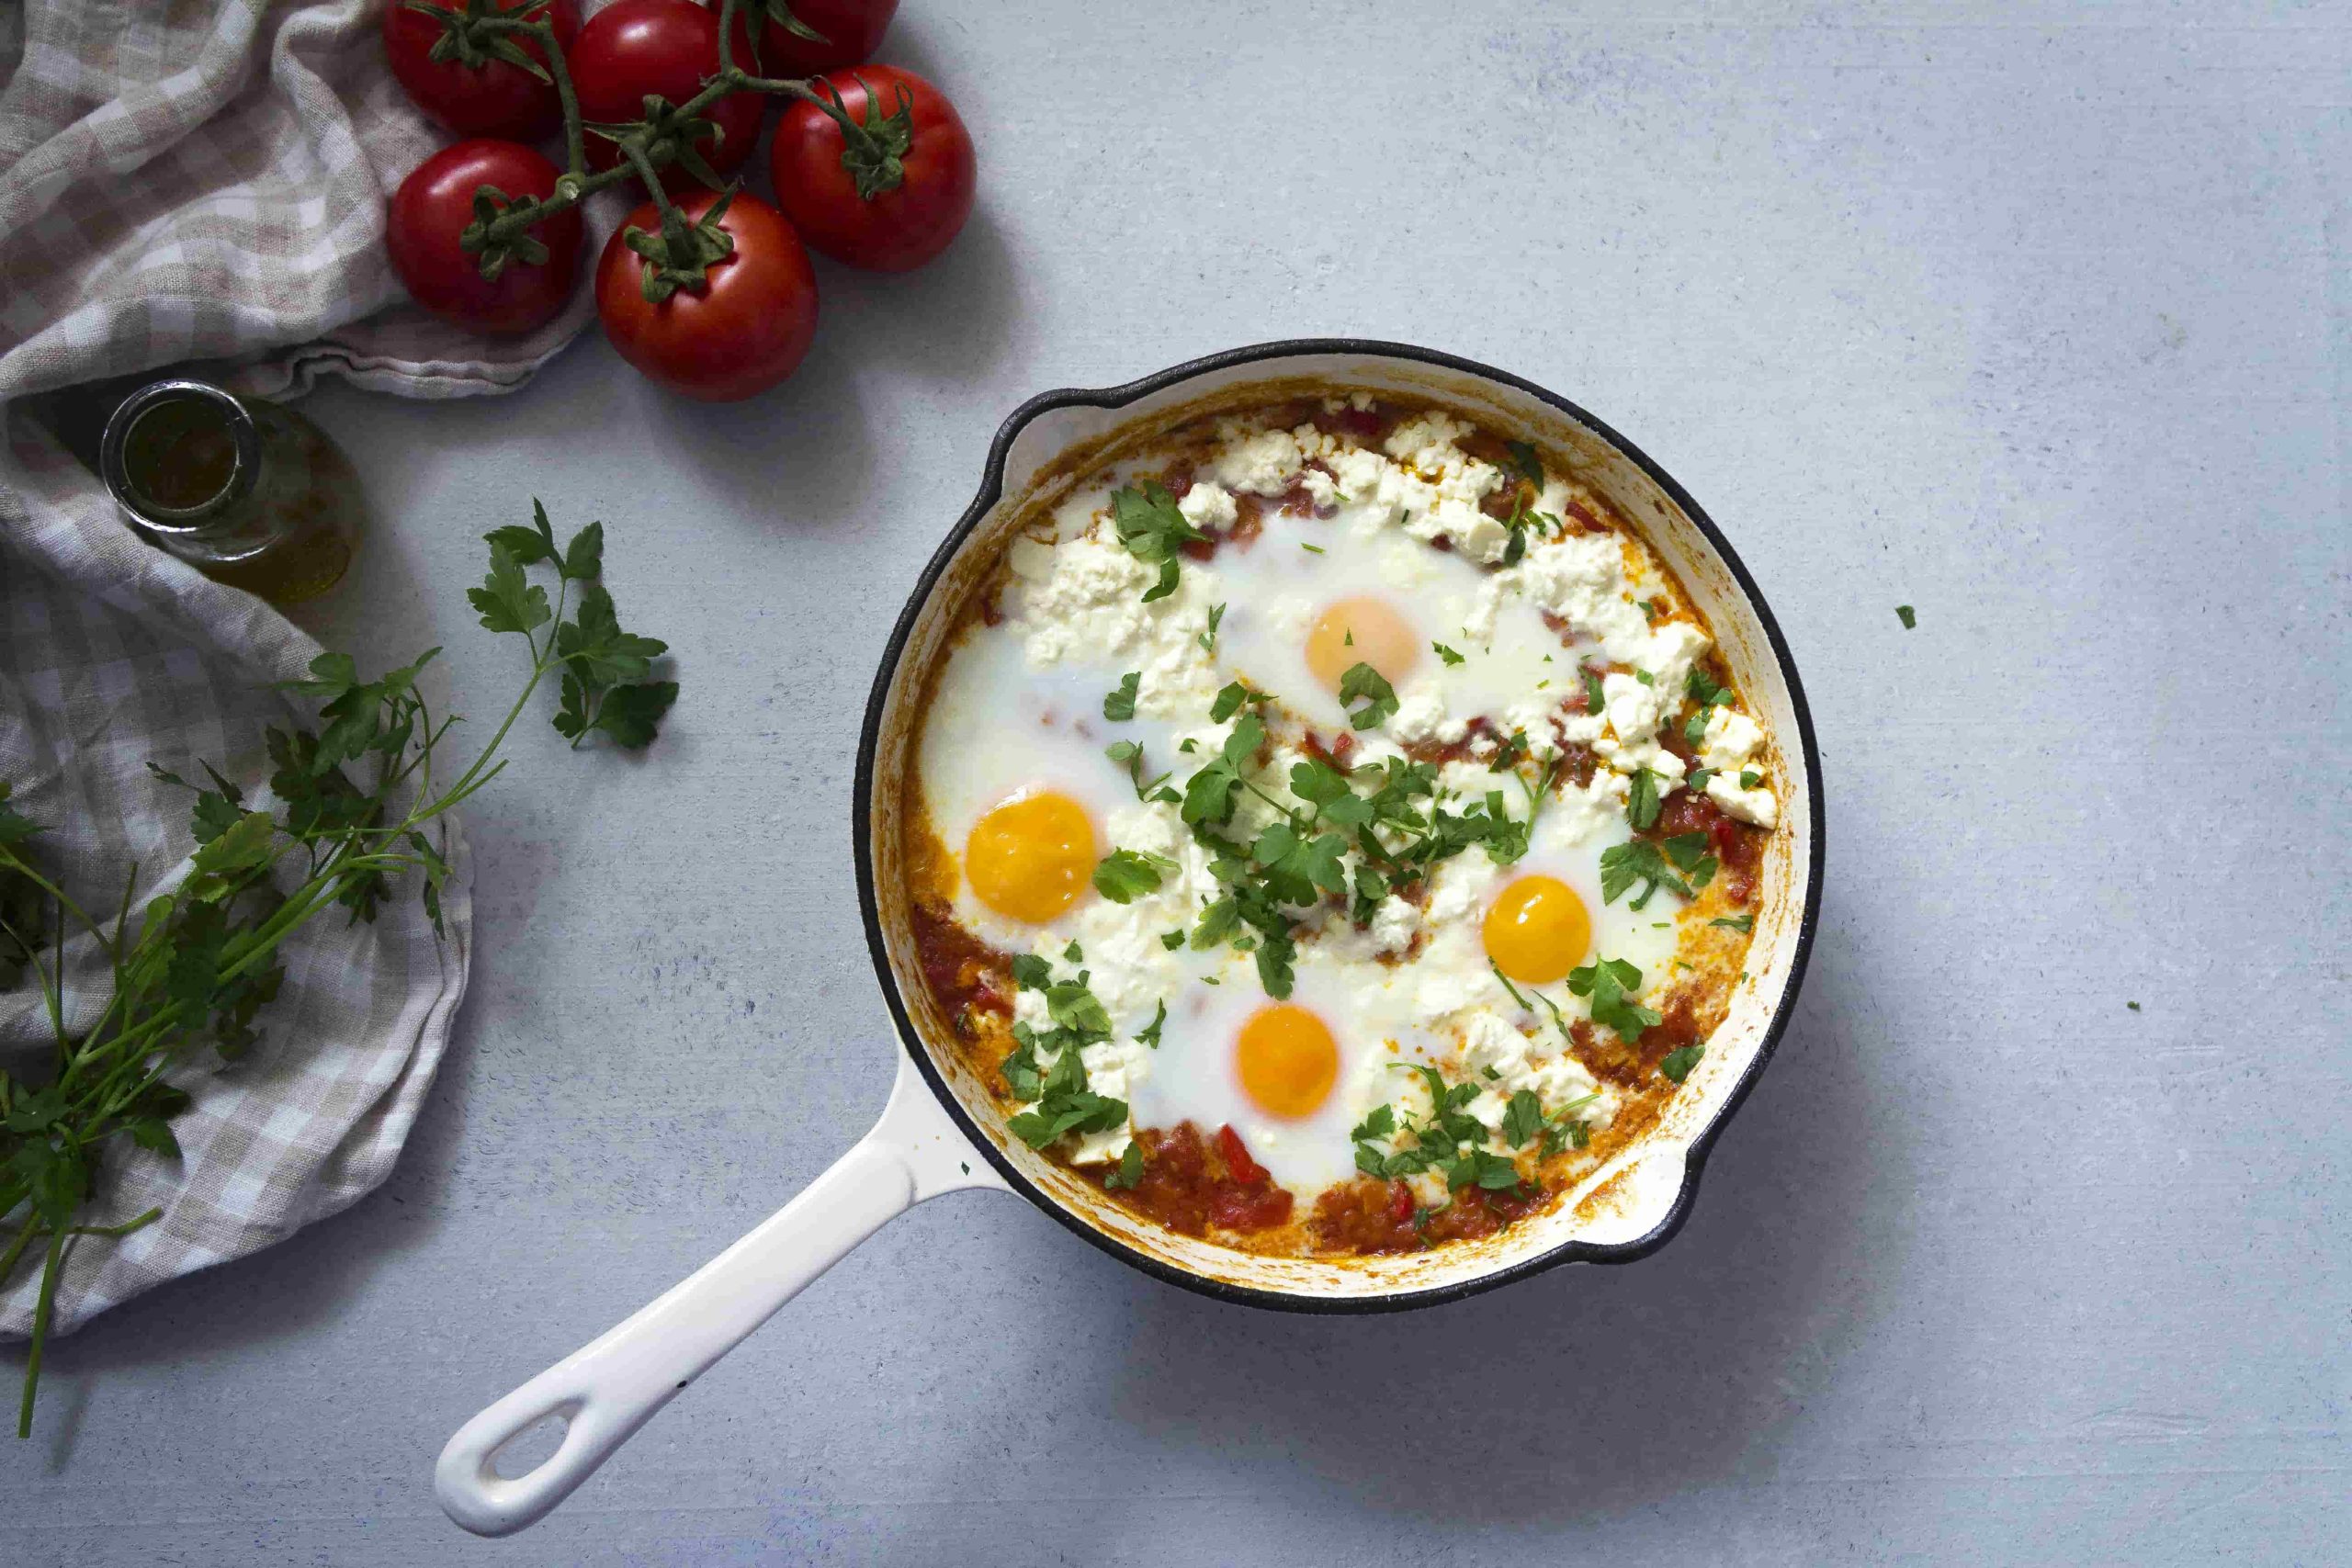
(1523, 459)
(1209, 795)
(1124, 875)
(1363, 680)
(1149, 1033)
(1610, 983)
(1130, 1171)
(1903, 613)
(1595, 701)
(1522, 1118)
(506, 600)
(1447, 654)
(1641, 801)
(1677, 1064)
(1153, 531)
(1208, 638)
(1734, 922)
(1120, 705)
(1637, 860)
(1128, 754)
(1219, 920)
(1297, 867)
(1229, 699)
(1687, 851)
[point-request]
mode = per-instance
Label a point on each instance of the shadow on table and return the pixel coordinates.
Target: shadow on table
(1586, 1391)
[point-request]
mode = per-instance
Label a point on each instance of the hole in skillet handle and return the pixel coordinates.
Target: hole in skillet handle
(534, 1445)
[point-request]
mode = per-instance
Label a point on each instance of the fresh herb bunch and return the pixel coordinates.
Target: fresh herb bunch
(358, 803)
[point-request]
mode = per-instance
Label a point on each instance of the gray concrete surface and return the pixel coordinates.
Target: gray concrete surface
(2032, 315)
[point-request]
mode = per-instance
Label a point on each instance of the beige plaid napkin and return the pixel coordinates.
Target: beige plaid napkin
(204, 180)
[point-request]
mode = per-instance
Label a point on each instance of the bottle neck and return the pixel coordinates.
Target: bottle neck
(180, 457)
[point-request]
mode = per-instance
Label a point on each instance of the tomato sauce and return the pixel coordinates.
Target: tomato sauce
(1190, 1183)
(1366, 1216)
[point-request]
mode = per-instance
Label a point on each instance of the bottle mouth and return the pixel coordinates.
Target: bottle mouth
(178, 454)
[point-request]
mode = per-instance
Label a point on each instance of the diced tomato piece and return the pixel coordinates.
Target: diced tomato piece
(1244, 1169)
(1400, 1202)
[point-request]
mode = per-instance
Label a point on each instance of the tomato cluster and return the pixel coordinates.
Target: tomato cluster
(708, 290)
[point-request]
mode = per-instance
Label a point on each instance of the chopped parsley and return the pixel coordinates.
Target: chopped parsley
(1130, 1171)
(1609, 984)
(1208, 638)
(1747, 924)
(1153, 531)
(1363, 680)
(1311, 549)
(1209, 795)
(1903, 613)
(1446, 654)
(1229, 699)
(1522, 1118)
(1149, 1033)
(1523, 458)
(1677, 1064)
(1449, 1140)
(1689, 853)
(1709, 696)
(1638, 860)
(1120, 705)
(1642, 802)
(2133, 1005)
(1391, 815)
(1124, 875)
(1059, 1102)
(1129, 755)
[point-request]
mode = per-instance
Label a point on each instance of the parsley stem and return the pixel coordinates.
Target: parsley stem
(46, 1305)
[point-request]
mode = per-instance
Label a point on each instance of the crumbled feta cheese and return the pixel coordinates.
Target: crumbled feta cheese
(1321, 486)
(1427, 442)
(1091, 602)
(1728, 747)
(1581, 578)
(1209, 508)
(1356, 472)
(1754, 806)
(1392, 925)
(1264, 463)
(1421, 715)
(1731, 738)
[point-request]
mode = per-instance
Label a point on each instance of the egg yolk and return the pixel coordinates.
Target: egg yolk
(1288, 1060)
(1537, 930)
(1361, 631)
(1030, 858)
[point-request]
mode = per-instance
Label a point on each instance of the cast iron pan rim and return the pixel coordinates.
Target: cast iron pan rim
(862, 799)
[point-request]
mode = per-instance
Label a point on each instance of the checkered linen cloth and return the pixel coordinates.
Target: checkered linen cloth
(203, 180)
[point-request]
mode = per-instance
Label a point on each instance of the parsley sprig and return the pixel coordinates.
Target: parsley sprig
(361, 799)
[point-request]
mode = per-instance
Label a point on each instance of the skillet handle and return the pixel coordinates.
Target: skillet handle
(606, 1390)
